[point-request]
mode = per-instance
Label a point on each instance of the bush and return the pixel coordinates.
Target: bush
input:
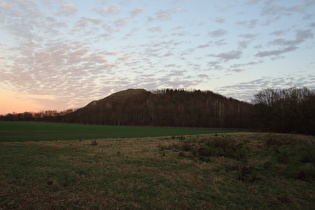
(94, 142)
(203, 149)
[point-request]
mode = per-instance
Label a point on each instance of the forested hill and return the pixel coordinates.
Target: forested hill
(164, 108)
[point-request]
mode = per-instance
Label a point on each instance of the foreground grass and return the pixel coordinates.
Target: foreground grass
(35, 131)
(240, 170)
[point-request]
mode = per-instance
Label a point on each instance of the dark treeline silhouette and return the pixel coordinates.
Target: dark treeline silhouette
(285, 110)
(47, 115)
(166, 107)
(277, 110)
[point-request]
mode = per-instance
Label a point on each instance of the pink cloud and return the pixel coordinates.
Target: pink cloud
(92, 20)
(5, 4)
(136, 12)
(69, 9)
(43, 56)
(96, 58)
(69, 6)
(109, 10)
(113, 53)
(80, 52)
(85, 21)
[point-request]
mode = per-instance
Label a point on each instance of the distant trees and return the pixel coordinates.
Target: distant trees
(168, 107)
(46, 115)
(279, 110)
(285, 110)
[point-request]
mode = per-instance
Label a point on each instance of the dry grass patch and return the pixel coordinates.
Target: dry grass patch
(241, 170)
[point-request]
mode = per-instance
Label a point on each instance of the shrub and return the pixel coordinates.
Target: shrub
(273, 141)
(94, 142)
(203, 149)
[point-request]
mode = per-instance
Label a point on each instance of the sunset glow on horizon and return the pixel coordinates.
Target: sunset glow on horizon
(12, 102)
(56, 55)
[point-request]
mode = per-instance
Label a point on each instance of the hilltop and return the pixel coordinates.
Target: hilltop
(164, 108)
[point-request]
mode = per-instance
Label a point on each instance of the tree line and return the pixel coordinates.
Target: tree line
(45, 115)
(167, 107)
(285, 110)
(277, 110)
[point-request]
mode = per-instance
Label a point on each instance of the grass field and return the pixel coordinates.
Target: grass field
(206, 171)
(34, 131)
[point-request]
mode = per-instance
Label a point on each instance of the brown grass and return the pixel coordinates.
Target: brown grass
(155, 173)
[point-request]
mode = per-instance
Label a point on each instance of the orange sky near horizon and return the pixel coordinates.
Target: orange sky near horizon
(14, 102)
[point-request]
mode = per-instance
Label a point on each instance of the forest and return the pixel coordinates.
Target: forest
(285, 110)
(276, 110)
(168, 107)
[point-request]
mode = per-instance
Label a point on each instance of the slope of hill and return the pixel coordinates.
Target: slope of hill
(164, 108)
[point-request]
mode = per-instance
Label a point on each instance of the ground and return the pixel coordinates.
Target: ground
(227, 170)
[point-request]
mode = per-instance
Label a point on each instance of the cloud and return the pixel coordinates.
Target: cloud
(136, 12)
(203, 46)
(220, 42)
(218, 33)
(300, 37)
(287, 45)
(121, 21)
(180, 33)
(5, 4)
(108, 10)
(68, 9)
(278, 32)
(245, 64)
(248, 24)
(246, 90)
(112, 53)
(84, 22)
(93, 20)
(249, 36)
(69, 6)
(271, 9)
(58, 69)
(155, 29)
(231, 55)
(90, 53)
(215, 65)
(95, 58)
(56, 25)
(275, 52)
(239, 70)
(105, 36)
(164, 15)
(19, 8)
(219, 20)
(244, 44)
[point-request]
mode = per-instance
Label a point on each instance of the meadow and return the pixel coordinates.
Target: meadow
(35, 131)
(202, 171)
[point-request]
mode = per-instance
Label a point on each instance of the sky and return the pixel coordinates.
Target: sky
(56, 54)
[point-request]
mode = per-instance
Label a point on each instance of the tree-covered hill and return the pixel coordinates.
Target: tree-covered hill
(164, 108)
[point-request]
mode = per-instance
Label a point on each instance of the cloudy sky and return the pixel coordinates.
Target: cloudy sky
(57, 54)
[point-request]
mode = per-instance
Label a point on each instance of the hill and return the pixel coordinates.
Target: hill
(164, 108)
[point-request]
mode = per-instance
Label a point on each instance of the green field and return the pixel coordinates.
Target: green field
(34, 131)
(206, 171)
